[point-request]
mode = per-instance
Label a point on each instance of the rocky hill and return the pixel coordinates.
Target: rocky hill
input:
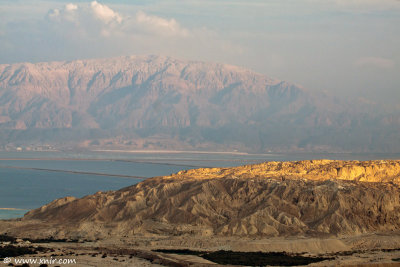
(305, 198)
(153, 102)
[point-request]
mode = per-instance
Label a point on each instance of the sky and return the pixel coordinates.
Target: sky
(347, 48)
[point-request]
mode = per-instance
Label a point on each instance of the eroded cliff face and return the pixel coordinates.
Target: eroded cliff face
(363, 171)
(305, 198)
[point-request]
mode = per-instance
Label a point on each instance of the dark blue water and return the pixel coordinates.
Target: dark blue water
(22, 187)
(26, 189)
(115, 167)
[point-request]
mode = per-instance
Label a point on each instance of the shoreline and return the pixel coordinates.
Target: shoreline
(172, 152)
(13, 209)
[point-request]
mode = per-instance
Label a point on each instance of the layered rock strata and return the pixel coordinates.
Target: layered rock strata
(303, 198)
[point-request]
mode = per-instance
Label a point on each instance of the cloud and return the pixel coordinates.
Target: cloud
(104, 13)
(67, 13)
(160, 25)
(96, 30)
(71, 7)
(376, 62)
(100, 19)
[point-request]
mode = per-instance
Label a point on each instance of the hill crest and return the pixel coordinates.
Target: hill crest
(264, 200)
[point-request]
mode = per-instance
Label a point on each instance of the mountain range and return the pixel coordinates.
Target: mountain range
(156, 102)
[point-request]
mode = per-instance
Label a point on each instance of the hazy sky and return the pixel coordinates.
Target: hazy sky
(349, 47)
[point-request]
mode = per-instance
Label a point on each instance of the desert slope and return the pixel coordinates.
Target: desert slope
(305, 198)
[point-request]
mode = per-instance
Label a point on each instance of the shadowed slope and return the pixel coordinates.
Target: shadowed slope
(270, 199)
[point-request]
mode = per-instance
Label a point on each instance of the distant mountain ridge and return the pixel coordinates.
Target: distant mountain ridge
(164, 103)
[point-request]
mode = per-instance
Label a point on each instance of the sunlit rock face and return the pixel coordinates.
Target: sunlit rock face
(320, 170)
(161, 102)
(305, 198)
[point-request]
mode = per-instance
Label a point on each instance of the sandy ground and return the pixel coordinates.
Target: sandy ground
(377, 250)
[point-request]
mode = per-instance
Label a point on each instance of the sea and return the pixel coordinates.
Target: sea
(29, 179)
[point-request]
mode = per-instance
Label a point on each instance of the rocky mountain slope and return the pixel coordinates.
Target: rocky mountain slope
(306, 198)
(152, 102)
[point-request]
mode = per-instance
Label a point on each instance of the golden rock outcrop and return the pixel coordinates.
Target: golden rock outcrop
(304, 198)
(364, 171)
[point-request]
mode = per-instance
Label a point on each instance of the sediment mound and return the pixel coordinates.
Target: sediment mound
(304, 198)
